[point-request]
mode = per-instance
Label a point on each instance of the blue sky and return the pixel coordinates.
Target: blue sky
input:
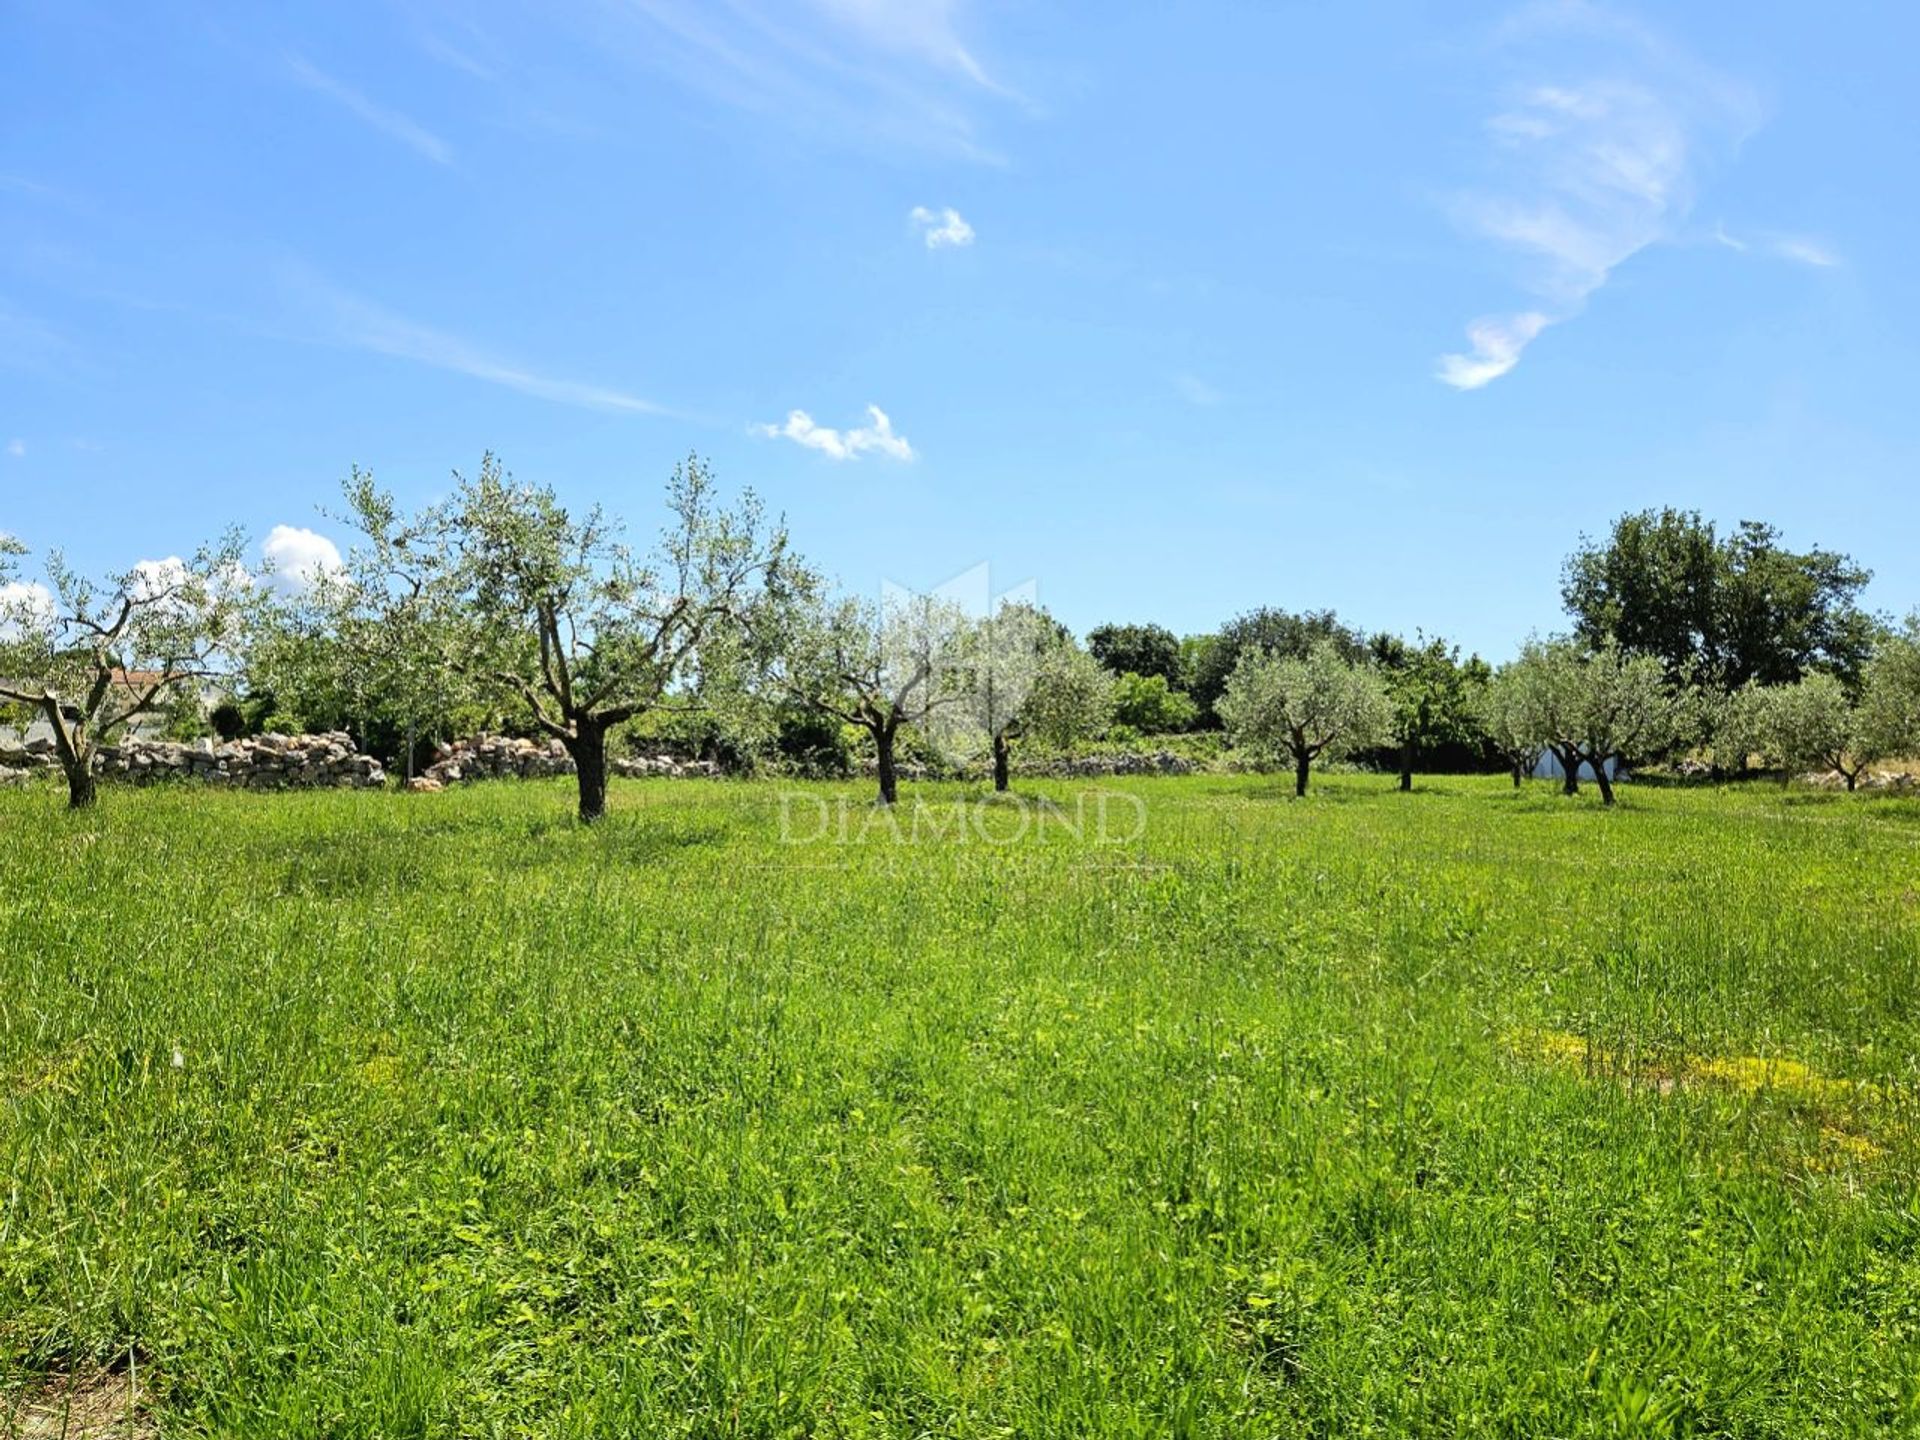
(1175, 310)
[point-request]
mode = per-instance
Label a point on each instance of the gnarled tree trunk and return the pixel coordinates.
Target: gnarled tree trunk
(588, 747)
(1569, 769)
(1001, 757)
(883, 754)
(1302, 766)
(74, 749)
(1600, 779)
(82, 787)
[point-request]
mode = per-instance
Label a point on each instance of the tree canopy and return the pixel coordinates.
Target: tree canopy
(1137, 650)
(524, 598)
(1025, 675)
(1277, 632)
(1309, 707)
(1722, 610)
(89, 657)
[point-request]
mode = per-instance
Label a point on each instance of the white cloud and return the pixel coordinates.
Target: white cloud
(941, 229)
(16, 448)
(24, 605)
(353, 321)
(877, 437)
(296, 557)
(154, 578)
(391, 123)
(1497, 342)
(1585, 174)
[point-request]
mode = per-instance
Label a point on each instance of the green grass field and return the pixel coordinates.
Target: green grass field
(1464, 1112)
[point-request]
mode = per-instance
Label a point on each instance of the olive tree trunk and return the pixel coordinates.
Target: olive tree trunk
(1001, 757)
(1600, 779)
(883, 755)
(1406, 764)
(82, 787)
(1302, 766)
(588, 747)
(1569, 769)
(75, 753)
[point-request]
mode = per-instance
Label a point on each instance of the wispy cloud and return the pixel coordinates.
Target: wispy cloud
(1805, 250)
(347, 319)
(455, 58)
(925, 29)
(1585, 173)
(1197, 391)
(941, 229)
(17, 449)
(30, 344)
(863, 72)
(1802, 249)
(1496, 343)
(389, 122)
(876, 437)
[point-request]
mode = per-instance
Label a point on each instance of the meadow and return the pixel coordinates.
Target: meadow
(1470, 1111)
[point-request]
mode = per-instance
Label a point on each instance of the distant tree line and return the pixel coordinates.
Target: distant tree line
(499, 607)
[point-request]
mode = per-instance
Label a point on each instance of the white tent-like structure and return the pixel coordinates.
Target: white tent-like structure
(1546, 766)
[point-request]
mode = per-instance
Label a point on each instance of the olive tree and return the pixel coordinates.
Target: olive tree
(1431, 694)
(1538, 693)
(1735, 727)
(531, 601)
(1623, 708)
(1504, 713)
(882, 667)
(91, 657)
(1027, 678)
(1312, 707)
(365, 647)
(1596, 707)
(1814, 721)
(1890, 696)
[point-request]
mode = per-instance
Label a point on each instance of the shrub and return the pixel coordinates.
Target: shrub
(1147, 705)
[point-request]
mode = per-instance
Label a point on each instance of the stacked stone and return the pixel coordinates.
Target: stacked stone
(1069, 767)
(1900, 781)
(260, 762)
(639, 767)
(20, 760)
(503, 757)
(497, 757)
(1126, 762)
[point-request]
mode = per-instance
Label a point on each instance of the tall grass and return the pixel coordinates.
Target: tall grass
(1469, 1111)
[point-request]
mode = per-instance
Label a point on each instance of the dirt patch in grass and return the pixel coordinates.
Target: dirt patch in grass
(101, 1405)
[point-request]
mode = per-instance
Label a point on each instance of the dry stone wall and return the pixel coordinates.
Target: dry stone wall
(259, 762)
(506, 757)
